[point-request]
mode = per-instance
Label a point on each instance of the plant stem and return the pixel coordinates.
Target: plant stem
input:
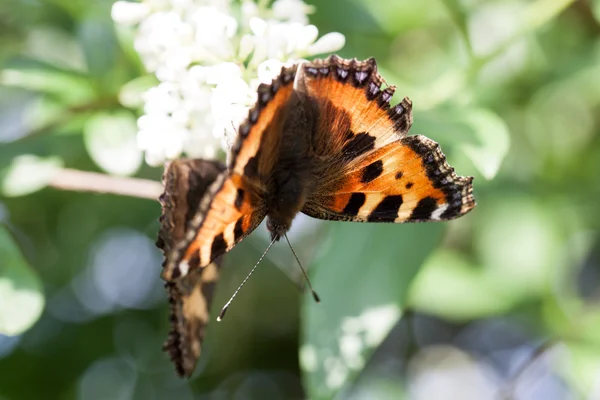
(84, 181)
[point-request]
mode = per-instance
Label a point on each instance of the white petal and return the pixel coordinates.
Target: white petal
(291, 10)
(180, 117)
(214, 31)
(222, 72)
(328, 43)
(307, 37)
(258, 26)
(154, 159)
(127, 13)
(269, 70)
(174, 146)
(246, 46)
(249, 9)
(227, 93)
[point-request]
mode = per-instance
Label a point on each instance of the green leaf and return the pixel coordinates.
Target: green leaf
(492, 141)
(56, 47)
(21, 297)
(110, 140)
(27, 174)
(99, 44)
(596, 9)
(131, 93)
(68, 87)
(459, 16)
(479, 133)
(399, 16)
(363, 276)
(450, 287)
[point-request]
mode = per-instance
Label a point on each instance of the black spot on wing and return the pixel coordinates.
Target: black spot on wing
(238, 230)
(399, 175)
(451, 212)
(386, 210)
(219, 246)
(194, 262)
(354, 204)
(409, 185)
(372, 171)
(251, 168)
(358, 145)
(239, 199)
(423, 209)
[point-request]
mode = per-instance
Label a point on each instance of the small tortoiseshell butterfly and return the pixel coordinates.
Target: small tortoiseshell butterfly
(322, 139)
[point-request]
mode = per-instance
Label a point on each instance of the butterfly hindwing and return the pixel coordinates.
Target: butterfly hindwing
(186, 182)
(405, 181)
(234, 205)
(190, 298)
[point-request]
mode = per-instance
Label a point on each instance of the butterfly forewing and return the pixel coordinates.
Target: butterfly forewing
(235, 203)
(355, 112)
(186, 182)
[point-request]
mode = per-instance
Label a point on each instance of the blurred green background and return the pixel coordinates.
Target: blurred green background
(511, 90)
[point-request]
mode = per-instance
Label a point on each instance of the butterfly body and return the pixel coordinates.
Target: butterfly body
(324, 140)
(289, 182)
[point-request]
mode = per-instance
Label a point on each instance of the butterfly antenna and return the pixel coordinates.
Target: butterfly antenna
(226, 306)
(315, 295)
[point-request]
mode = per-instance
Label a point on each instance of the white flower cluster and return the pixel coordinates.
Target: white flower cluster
(210, 56)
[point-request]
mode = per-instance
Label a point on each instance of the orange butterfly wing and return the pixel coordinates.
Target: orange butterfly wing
(382, 174)
(235, 203)
(354, 110)
(186, 181)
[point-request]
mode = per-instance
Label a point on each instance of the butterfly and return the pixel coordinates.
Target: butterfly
(186, 182)
(322, 139)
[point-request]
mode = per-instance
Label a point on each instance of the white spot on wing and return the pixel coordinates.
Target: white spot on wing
(437, 213)
(184, 267)
(229, 236)
(371, 202)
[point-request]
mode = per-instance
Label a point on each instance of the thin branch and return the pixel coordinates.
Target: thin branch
(83, 181)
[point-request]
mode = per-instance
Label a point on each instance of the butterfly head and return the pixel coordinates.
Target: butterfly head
(277, 228)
